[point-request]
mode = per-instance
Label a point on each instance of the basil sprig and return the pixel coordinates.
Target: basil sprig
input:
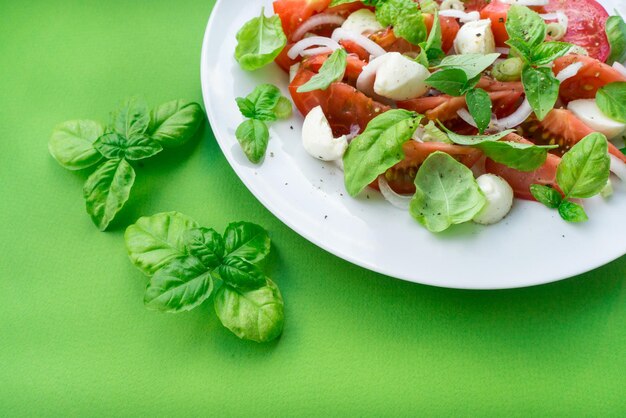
(188, 264)
(134, 134)
(265, 104)
(431, 51)
(616, 34)
(611, 99)
(582, 173)
(405, 17)
(259, 42)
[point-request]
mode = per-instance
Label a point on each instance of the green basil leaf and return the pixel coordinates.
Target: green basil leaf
(616, 33)
(256, 315)
(264, 99)
(153, 241)
(472, 64)
(473, 140)
(378, 148)
(584, 169)
(452, 81)
(332, 70)
(259, 41)
(546, 195)
(446, 193)
(181, 285)
(521, 157)
(173, 123)
(542, 89)
(405, 17)
(431, 52)
(547, 52)
(334, 3)
(246, 240)
(206, 245)
(572, 212)
(71, 143)
(253, 137)
(520, 48)
(611, 99)
(479, 105)
(114, 146)
(132, 118)
(283, 108)
(246, 107)
(525, 24)
(241, 274)
(107, 190)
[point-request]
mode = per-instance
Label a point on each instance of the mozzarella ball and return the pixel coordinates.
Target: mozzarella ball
(475, 38)
(400, 78)
(499, 195)
(317, 137)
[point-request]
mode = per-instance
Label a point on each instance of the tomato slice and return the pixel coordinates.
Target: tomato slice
(521, 181)
(475, 5)
(354, 66)
(401, 177)
(293, 12)
(584, 85)
(585, 27)
(496, 12)
(388, 40)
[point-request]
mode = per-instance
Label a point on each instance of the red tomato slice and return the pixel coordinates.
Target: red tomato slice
(388, 41)
(584, 85)
(293, 12)
(586, 22)
(354, 66)
(496, 12)
(521, 181)
(475, 5)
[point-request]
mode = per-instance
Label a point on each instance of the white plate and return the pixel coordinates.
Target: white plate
(531, 246)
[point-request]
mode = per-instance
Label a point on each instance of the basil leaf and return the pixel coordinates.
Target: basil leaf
(181, 285)
(452, 81)
(520, 48)
(334, 3)
(283, 108)
(572, 212)
(611, 99)
(241, 274)
(542, 89)
(132, 118)
(407, 20)
(472, 64)
(106, 191)
(584, 169)
(479, 106)
(522, 157)
(264, 99)
(259, 41)
(253, 137)
(153, 241)
(378, 148)
(616, 33)
(525, 24)
(206, 245)
(246, 107)
(173, 123)
(546, 195)
(71, 144)
(246, 240)
(473, 140)
(114, 146)
(446, 193)
(256, 315)
(547, 52)
(332, 70)
(431, 52)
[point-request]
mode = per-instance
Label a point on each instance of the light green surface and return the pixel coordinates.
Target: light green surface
(75, 338)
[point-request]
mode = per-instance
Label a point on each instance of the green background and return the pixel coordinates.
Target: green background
(75, 338)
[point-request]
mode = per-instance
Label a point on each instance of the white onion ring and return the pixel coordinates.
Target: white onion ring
(299, 47)
(370, 46)
(316, 21)
(620, 68)
(503, 51)
(293, 70)
(365, 82)
(467, 117)
(527, 2)
(316, 51)
(514, 119)
(397, 200)
(618, 167)
(569, 71)
(458, 14)
(549, 16)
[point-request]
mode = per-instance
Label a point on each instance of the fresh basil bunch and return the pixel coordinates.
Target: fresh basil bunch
(187, 264)
(135, 133)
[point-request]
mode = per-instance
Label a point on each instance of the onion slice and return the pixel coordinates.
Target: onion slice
(397, 200)
(569, 71)
(514, 119)
(618, 167)
(370, 46)
(467, 117)
(620, 67)
(316, 51)
(459, 14)
(299, 47)
(316, 21)
(503, 51)
(365, 82)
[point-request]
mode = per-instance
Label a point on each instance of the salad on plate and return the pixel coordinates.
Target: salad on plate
(451, 109)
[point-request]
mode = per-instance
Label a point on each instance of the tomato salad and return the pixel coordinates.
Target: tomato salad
(449, 108)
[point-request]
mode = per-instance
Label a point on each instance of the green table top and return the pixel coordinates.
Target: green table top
(75, 338)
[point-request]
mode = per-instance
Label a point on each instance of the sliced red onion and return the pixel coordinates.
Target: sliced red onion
(398, 200)
(620, 67)
(316, 21)
(514, 119)
(569, 71)
(459, 14)
(503, 51)
(618, 167)
(316, 51)
(370, 46)
(305, 43)
(467, 117)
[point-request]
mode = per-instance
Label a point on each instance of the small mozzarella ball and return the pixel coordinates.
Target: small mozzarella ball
(361, 22)
(590, 114)
(400, 78)
(475, 38)
(317, 137)
(499, 199)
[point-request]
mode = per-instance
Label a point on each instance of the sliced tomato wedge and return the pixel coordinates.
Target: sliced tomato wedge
(354, 66)
(401, 177)
(388, 40)
(521, 181)
(293, 12)
(496, 11)
(585, 27)
(585, 84)
(475, 5)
